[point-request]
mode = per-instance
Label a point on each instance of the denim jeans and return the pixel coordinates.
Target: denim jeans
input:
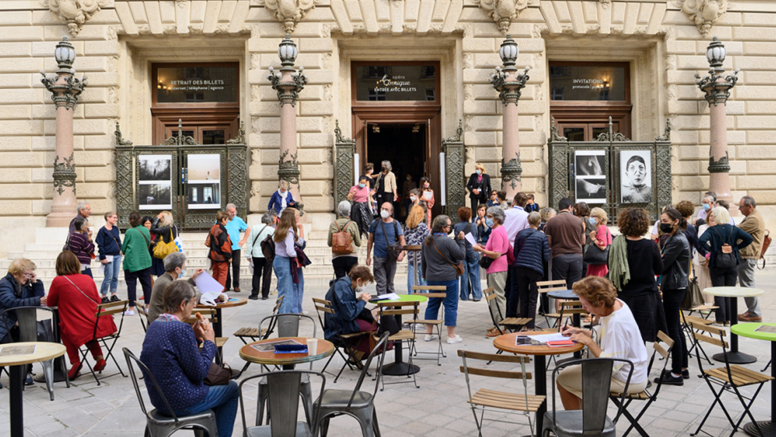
(411, 278)
(111, 279)
(471, 275)
(222, 399)
(450, 302)
(282, 267)
(298, 292)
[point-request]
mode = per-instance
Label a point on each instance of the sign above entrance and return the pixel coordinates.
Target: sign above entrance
(396, 82)
(572, 81)
(197, 84)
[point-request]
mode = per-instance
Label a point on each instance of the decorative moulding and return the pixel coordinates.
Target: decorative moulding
(289, 12)
(74, 13)
(503, 11)
(704, 13)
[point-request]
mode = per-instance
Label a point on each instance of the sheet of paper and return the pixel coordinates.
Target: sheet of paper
(544, 338)
(389, 296)
(470, 238)
(7, 351)
(207, 284)
(766, 328)
(109, 258)
(101, 270)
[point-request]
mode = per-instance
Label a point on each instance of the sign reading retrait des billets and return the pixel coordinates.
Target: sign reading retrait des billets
(396, 83)
(197, 84)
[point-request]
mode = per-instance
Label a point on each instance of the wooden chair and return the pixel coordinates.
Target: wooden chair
(729, 378)
(494, 400)
(253, 333)
(701, 308)
(495, 312)
(426, 289)
(106, 310)
(545, 287)
(687, 321)
(405, 335)
(341, 342)
(142, 311)
(646, 395)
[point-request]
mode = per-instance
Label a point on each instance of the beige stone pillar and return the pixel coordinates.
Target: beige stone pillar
(65, 89)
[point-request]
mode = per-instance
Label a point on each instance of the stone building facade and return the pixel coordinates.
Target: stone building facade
(117, 43)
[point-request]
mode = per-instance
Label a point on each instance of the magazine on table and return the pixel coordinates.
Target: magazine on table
(269, 346)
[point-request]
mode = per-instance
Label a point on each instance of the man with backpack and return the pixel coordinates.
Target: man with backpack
(344, 237)
(387, 237)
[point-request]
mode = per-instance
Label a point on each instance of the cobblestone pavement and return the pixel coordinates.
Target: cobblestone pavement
(437, 408)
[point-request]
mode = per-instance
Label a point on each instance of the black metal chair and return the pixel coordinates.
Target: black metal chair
(341, 342)
(106, 310)
(160, 425)
(357, 404)
(592, 418)
(283, 388)
(398, 309)
(27, 317)
(142, 312)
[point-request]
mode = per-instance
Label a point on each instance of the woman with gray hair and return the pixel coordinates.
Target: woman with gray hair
(171, 352)
(262, 269)
(386, 188)
(344, 237)
(174, 268)
(499, 250)
(281, 199)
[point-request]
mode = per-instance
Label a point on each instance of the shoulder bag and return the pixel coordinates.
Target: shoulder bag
(595, 256)
(724, 258)
(253, 243)
(394, 250)
(162, 249)
(217, 375)
(459, 268)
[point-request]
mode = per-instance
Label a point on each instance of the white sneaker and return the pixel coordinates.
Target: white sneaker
(305, 312)
(129, 313)
(430, 337)
(453, 340)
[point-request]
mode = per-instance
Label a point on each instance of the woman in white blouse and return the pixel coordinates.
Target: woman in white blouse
(618, 337)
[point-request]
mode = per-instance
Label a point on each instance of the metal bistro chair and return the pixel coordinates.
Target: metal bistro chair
(159, 425)
(425, 289)
(283, 388)
(142, 312)
(388, 308)
(341, 341)
(27, 317)
(687, 322)
(106, 310)
(545, 287)
(592, 418)
(358, 404)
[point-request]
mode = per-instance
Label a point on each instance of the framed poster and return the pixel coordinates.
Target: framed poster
(154, 182)
(635, 176)
(590, 176)
(204, 181)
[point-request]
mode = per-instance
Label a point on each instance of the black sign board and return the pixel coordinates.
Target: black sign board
(396, 83)
(588, 82)
(195, 84)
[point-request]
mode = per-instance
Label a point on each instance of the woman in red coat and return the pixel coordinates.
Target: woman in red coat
(76, 296)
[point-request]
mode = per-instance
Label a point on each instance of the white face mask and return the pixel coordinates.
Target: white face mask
(413, 198)
(385, 214)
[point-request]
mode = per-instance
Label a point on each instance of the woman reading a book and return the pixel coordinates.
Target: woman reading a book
(618, 337)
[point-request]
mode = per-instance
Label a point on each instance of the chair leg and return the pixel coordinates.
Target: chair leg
(48, 372)
(364, 417)
(747, 411)
(261, 401)
(375, 425)
(766, 366)
(110, 354)
(324, 427)
(307, 401)
(84, 360)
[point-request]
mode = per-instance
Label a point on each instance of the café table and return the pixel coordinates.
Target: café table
(218, 324)
(288, 361)
(44, 351)
(506, 343)
(399, 367)
(748, 330)
(733, 355)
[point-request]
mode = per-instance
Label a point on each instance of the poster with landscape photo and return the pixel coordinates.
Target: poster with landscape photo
(204, 181)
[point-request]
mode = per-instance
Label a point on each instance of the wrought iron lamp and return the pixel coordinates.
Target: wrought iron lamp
(716, 87)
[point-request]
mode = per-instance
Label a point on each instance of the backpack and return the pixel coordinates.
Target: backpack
(268, 248)
(725, 260)
(342, 241)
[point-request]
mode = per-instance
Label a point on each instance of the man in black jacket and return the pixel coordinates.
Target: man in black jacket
(478, 186)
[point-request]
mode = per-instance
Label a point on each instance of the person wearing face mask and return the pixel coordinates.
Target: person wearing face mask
(386, 189)
(415, 231)
(707, 202)
(427, 196)
(601, 237)
(175, 268)
(383, 232)
(483, 230)
(478, 186)
(500, 251)
(281, 199)
(409, 185)
(361, 197)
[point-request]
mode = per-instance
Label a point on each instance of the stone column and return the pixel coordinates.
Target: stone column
(65, 89)
(288, 83)
(509, 83)
(717, 90)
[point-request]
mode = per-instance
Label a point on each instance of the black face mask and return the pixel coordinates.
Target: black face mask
(666, 228)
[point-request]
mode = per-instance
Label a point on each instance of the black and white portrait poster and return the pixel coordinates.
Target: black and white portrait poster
(635, 176)
(204, 181)
(590, 176)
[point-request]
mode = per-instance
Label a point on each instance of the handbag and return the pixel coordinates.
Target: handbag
(723, 259)
(45, 331)
(162, 249)
(486, 261)
(394, 250)
(693, 297)
(459, 268)
(217, 375)
(595, 256)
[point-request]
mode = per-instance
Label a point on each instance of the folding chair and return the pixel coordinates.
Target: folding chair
(493, 400)
(687, 329)
(142, 311)
(729, 378)
(253, 333)
(106, 310)
(427, 291)
(490, 294)
(340, 341)
(645, 395)
(709, 309)
(545, 287)
(405, 335)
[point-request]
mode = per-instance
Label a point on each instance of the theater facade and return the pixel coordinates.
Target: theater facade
(191, 104)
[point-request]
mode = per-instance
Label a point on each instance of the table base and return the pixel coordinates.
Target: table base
(17, 374)
(735, 358)
(768, 428)
(398, 369)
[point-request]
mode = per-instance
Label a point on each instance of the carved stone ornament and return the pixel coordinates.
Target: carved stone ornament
(74, 13)
(180, 139)
(289, 12)
(554, 134)
(120, 141)
(288, 170)
(240, 138)
(667, 133)
(704, 13)
(503, 11)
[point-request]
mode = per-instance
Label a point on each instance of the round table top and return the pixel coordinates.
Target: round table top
(44, 351)
(506, 343)
(227, 304)
(563, 294)
(248, 353)
(733, 291)
(416, 297)
(748, 330)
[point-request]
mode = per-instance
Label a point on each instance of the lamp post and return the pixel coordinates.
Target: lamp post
(717, 89)
(509, 83)
(65, 89)
(288, 82)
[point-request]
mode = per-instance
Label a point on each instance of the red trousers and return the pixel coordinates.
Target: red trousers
(220, 269)
(72, 350)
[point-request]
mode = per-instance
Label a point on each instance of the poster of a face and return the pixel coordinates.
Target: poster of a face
(590, 176)
(155, 195)
(154, 167)
(204, 181)
(636, 176)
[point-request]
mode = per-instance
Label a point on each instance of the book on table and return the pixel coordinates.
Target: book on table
(269, 346)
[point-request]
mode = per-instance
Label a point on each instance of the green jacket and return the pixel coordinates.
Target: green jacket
(136, 245)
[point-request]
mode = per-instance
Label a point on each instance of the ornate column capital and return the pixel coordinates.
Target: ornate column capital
(74, 13)
(704, 13)
(512, 170)
(503, 11)
(716, 85)
(289, 12)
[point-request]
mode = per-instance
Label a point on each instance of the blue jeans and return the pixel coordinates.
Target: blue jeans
(111, 278)
(411, 277)
(222, 399)
(298, 291)
(471, 274)
(450, 302)
(282, 267)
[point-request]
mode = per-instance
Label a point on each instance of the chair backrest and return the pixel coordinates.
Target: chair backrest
(547, 286)
(276, 308)
(27, 317)
(143, 312)
(208, 313)
(109, 309)
(427, 288)
(663, 352)
(130, 357)
(287, 325)
(713, 330)
(379, 349)
(467, 369)
(397, 308)
(490, 294)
